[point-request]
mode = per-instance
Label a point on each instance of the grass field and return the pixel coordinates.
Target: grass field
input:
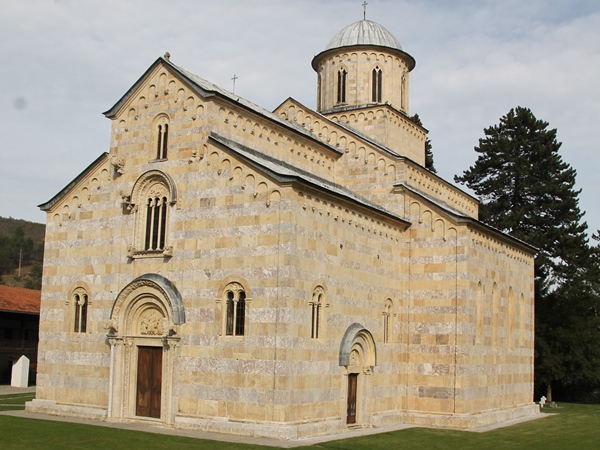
(14, 401)
(572, 427)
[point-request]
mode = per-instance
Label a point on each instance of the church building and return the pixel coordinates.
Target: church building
(283, 274)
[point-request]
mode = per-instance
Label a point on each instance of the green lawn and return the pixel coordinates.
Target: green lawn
(573, 427)
(14, 401)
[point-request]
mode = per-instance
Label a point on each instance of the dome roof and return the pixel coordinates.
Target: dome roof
(364, 32)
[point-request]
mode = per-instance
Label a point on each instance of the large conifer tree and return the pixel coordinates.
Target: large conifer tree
(428, 148)
(528, 191)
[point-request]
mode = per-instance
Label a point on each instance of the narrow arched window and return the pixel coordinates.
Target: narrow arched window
(522, 320)
(80, 305)
(156, 218)
(376, 85)
(235, 311)
(495, 314)
(319, 92)
(403, 94)
(162, 141)
(387, 322)
(341, 86)
(161, 136)
(479, 314)
(240, 314)
(230, 314)
(511, 318)
(315, 306)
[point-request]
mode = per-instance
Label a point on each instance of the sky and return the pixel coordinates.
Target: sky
(64, 62)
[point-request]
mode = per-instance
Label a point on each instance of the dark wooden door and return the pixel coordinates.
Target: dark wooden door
(149, 382)
(351, 416)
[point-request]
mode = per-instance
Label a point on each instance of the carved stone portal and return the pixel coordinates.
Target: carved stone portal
(145, 317)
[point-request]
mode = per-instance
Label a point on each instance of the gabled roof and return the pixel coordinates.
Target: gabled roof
(283, 172)
(361, 136)
(50, 203)
(343, 126)
(20, 300)
(207, 89)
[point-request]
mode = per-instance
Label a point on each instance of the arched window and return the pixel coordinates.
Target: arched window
(161, 136)
(319, 91)
(479, 314)
(341, 86)
(316, 304)
(511, 317)
(376, 85)
(80, 306)
(521, 320)
(235, 311)
(495, 314)
(387, 322)
(403, 94)
(152, 198)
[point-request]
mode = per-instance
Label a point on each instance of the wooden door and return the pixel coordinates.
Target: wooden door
(351, 411)
(149, 382)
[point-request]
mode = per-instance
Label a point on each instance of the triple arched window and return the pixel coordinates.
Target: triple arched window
(376, 85)
(152, 199)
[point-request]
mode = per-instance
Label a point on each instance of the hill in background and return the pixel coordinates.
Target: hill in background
(21, 253)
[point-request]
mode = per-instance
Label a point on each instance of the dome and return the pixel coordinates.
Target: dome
(364, 32)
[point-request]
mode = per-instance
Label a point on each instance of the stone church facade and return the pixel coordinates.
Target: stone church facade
(285, 274)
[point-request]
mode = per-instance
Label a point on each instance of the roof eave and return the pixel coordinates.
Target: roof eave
(410, 61)
(286, 178)
(50, 203)
(475, 223)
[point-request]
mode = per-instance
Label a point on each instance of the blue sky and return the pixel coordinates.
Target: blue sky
(64, 62)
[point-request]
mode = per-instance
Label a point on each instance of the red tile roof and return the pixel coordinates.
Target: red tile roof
(14, 299)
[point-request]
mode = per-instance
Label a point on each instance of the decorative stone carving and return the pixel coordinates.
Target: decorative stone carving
(111, 327)
(151, 323)
(196, 156)
(354, 357)
(236, 288)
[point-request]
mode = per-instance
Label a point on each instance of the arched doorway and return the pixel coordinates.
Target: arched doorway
(144, 340)
(358, 356)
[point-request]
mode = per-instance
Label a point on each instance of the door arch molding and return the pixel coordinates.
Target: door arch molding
(357, 357)
(358, 336)
(146, 314)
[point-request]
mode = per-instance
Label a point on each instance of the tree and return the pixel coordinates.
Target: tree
(428, 149)
(528, 191)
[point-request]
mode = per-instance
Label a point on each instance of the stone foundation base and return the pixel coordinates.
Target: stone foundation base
(272, 430)
(457, 421)
(302, 430)
(58, 409)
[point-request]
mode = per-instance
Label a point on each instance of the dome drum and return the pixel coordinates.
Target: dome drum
(363, 64)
